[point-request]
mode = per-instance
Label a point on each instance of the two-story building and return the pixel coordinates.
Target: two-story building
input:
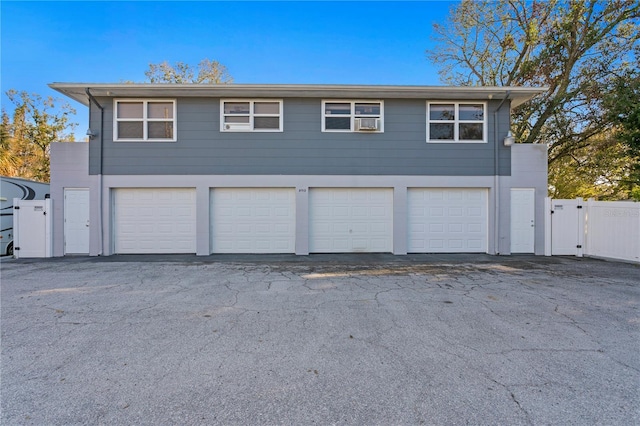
(205, 169)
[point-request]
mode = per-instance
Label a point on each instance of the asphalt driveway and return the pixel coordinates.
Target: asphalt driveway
(367, 339)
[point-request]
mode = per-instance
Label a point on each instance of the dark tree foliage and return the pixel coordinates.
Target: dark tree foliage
(207, 72)
(25, 138)
(585, 52)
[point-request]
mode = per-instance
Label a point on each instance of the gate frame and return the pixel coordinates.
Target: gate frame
(17, 202)
(585, 243)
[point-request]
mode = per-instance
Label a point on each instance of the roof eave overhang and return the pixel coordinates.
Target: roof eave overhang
(77, 91)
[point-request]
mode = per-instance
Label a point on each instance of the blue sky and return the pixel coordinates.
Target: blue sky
(259, 42)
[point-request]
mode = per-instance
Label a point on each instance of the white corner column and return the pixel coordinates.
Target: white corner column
(203, 219)
(400, 218)
(504, 216)
(302, 220)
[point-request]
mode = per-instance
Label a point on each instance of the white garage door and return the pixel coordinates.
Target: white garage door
(445, 220)
(253, 220)
(345, 220)
(155, 220)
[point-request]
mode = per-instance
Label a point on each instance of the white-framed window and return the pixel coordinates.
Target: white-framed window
(457, 122)
(251, 115)
(352, 116)
(144, 120)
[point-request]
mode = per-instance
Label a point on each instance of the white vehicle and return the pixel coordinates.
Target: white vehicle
(11, 188)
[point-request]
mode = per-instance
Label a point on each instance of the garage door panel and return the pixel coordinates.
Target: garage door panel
(433, 227)
(433, 195)
(322, 212)
(323, 228)
(154, 220)
(126, 229)
(244, 211)
(436, 244)
(363, 243)
(416, 212)
(283, 229)
(265, 212)
(447, 219)
(281, 245)
(361, 212)
(225, 211)
(339, 244)
(380, 244)
(455, 244)
(321, 245)
(139, 196)
(350, 220)
(476, 195)
(243, 228)
(253, 220)
(475, 228)
(475, 212)
(456, 227)
(476, 244)
(417, 249)
(143, 212)
(261, 229)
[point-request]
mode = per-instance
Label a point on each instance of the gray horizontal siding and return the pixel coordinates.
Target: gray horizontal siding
(302, 148)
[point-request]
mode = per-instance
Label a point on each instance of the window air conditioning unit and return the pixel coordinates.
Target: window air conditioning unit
(367, 124)
(237, 126)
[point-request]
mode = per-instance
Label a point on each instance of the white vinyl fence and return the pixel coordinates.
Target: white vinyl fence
(606, 229)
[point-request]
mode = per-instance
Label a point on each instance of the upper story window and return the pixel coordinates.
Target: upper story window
(144, 120)
(241, 115)
(456, 122)
(352, 116)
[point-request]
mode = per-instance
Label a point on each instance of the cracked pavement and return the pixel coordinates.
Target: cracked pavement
(349, 339)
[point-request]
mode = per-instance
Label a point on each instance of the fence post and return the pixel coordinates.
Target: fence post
(48, 228)
(581, 228)
(588, 235)
(16, 228)
(547, 226)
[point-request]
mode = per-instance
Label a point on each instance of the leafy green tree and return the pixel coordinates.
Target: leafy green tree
(623, 105)
(8, 163)
(579, 49)
(26, 138)
(599, 170)
(207, 72)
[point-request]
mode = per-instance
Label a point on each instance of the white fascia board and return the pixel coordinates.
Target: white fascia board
(77, 91)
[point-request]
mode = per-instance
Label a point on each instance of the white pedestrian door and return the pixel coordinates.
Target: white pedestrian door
(565, 227)
(76, 221)
(523, 225)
